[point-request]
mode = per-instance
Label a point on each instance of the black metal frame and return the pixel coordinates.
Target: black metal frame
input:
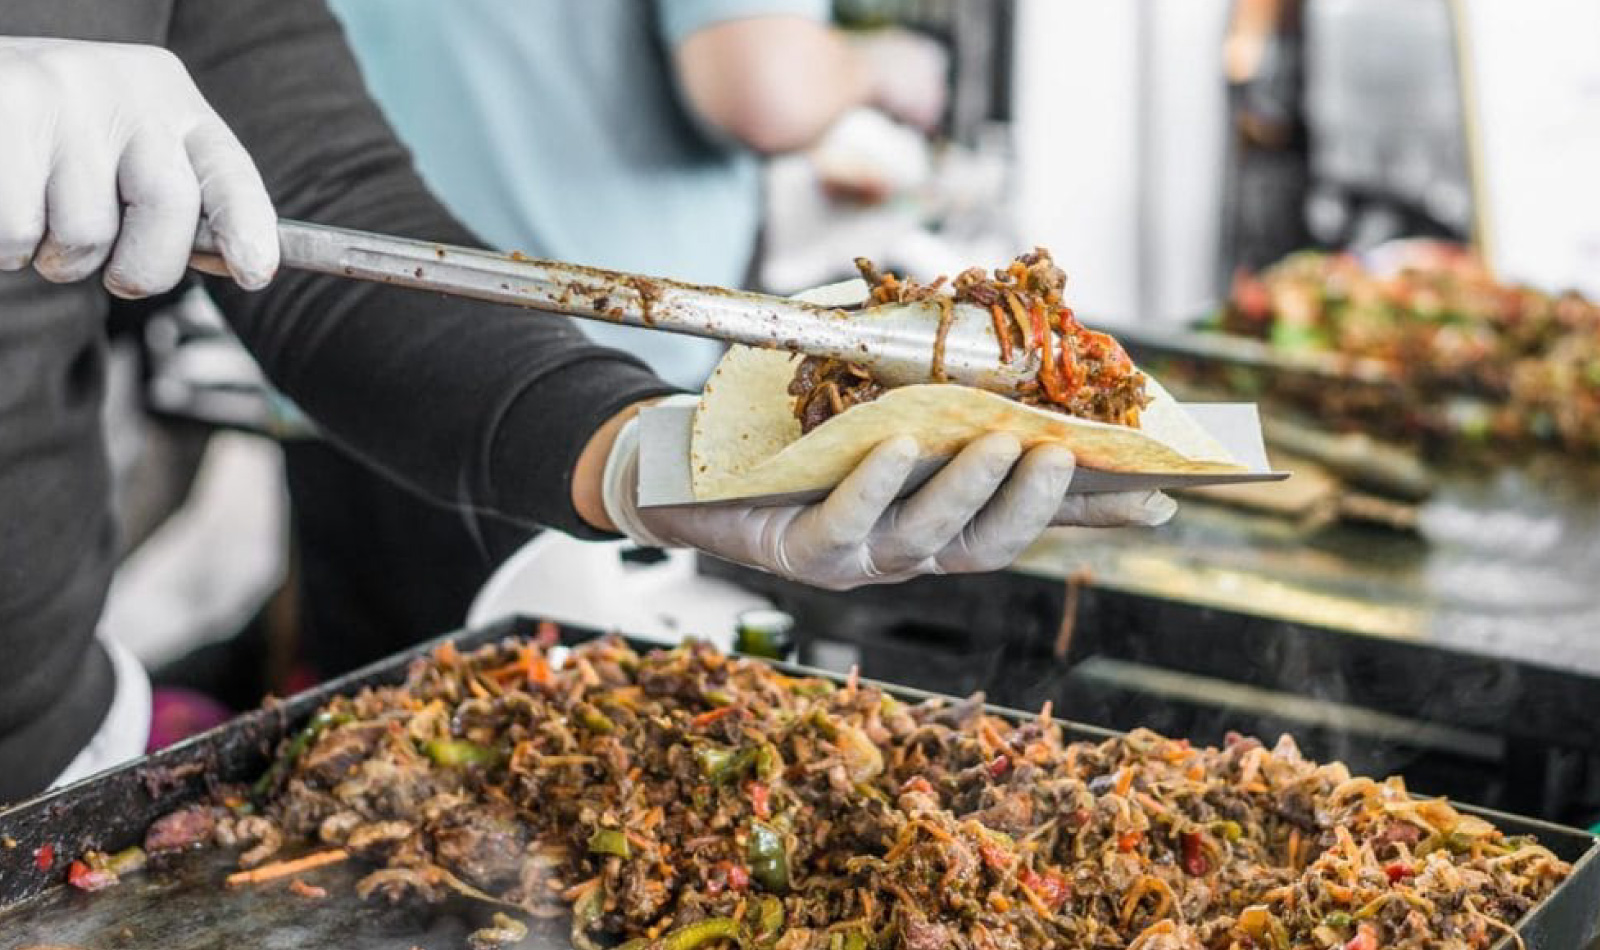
(112, 810)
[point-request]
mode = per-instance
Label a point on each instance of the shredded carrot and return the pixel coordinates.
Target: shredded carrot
(530, 664)
(1002, 332)
(277, 869)
(1176, 753)
(711, 716)
(908, 837)
(1130, 903)
(1124, 781)
(1021, 317)
(308, 891)
(580, 889)
(990, 737)
(1150, 803)
(538, 668)
(1049, 371)
(1294, 849)
(1037, 902)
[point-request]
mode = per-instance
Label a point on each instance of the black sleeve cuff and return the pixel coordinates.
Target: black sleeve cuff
(544, 429)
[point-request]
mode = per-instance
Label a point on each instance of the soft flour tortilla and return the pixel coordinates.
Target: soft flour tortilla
(747, 441)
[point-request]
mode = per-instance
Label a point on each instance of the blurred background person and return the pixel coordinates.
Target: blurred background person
(628, 135)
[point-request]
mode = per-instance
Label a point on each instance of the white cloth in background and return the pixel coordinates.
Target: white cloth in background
(125, 731)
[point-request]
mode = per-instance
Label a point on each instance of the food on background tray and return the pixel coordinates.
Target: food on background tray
(1446, 329)
(685, 799)
(770, 423)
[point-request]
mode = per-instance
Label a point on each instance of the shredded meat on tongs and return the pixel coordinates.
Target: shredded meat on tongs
(1082, 373)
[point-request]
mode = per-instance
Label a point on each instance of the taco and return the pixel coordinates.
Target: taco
(771, 423)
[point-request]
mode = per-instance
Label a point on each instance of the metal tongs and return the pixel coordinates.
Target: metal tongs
(894, 342)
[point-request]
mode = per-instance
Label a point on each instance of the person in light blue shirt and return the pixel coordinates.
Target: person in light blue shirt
(625, 133)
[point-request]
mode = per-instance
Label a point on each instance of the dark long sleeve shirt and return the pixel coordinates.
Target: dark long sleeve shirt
(481, 407)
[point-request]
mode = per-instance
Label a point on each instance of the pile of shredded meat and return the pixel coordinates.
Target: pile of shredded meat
(686, 799)
(1082, 373)
(1443, 326)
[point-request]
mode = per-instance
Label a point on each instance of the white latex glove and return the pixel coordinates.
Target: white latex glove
(909, 73)
(108, 157)
(977, 514)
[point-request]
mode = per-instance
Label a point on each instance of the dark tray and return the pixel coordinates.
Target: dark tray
(184, 905)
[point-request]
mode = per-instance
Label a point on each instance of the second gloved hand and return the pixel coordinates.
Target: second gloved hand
(109, 156)
(977, 514)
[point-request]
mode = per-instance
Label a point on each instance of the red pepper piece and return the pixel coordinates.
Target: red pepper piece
(999, 766)
(1127, 841)
(994, 856)
(738, 877)
(1050, 887)
(1194, 856)
(44, 857)
(760, 799)
(85, 878)
(1399, 871)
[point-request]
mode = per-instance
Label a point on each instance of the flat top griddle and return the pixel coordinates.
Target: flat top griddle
(1501, 567)
(183, 904)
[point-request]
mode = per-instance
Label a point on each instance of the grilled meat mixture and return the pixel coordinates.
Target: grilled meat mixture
(1082, 373)
(686, 799)
(1442, 325)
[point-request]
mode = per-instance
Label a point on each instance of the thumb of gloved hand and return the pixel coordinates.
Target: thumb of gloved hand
(1115, 509)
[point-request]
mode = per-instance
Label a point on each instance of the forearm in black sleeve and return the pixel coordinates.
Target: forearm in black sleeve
(475, 405)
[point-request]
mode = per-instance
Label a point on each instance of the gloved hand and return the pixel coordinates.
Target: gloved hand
(109, 153)
(977, 514)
